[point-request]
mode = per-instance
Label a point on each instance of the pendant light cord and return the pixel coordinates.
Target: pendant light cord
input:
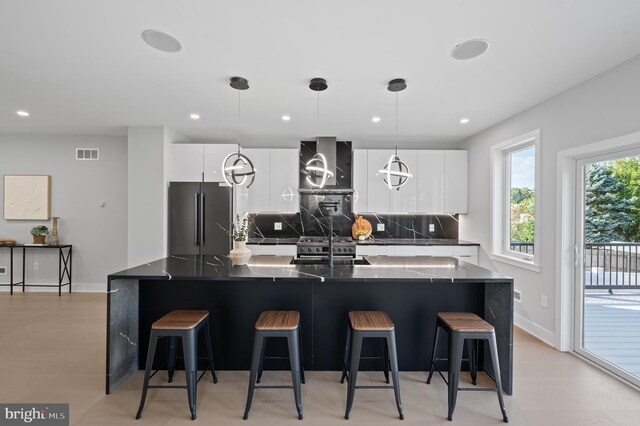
(396, 117)
(318, 113)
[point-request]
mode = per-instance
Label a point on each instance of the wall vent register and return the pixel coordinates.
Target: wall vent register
(87, 154)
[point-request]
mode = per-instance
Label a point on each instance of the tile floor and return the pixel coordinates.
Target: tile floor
(53, 350)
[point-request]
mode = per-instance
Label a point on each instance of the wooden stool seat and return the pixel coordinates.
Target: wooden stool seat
(370, 320)
(278, 320)
(465, 322)
(180, 320)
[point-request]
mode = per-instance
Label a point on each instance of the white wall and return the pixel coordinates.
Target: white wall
(98, 234)
(148, 167)
(604, 107)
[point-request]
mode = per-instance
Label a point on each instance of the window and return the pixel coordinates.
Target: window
(515, 201)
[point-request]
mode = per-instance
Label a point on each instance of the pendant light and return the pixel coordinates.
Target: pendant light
(396, 172)
(317, 168)
(237, 168)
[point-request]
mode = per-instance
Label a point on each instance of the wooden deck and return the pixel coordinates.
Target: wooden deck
(612, 327)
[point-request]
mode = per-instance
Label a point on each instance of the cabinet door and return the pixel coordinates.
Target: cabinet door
(256, 198)
(430, 181)
(360, 180)
(456, 176)
(283, 190)
(377, 190)
(186, 162)
(405, 198)
(214, 154)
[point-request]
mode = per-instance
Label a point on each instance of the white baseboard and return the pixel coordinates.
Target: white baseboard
(535, 330)
(75, 288)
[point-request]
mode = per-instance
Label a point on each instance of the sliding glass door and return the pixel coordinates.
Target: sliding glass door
(607, 293)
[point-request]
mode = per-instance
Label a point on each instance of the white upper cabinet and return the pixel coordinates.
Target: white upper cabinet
(360, 180)
(214, 154)
(186, 162)
(430, 181)
(283, 190)
(405, 198)
(377, 191)
(256, 198)
(456, 181)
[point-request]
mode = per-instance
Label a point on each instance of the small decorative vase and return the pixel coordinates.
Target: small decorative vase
(361, 238)
(54, 231)
(240, 254)
(39, 239)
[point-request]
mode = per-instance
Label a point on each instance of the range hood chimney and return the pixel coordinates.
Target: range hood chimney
(338, 158)
(327, 146)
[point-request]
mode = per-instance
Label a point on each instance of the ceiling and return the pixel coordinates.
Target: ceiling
(82, 65)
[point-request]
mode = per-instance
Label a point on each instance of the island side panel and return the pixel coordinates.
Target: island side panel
(234, 307)
(498, 310)
(122, 331)
(412, 306)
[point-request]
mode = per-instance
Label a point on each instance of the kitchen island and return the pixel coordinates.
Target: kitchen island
(410, 289)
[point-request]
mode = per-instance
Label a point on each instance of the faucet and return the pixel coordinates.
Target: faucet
(328, 205)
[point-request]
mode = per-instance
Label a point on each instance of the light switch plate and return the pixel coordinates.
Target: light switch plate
(432, 227)
(277, 226)
(544, 301)
(380, 227)
(3, 270)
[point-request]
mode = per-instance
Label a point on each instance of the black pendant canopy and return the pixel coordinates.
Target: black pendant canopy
(318, 84)
(397, 85)
(239, 83)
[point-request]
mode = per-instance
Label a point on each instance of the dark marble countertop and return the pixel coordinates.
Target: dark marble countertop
(375, 242)
(274, 268)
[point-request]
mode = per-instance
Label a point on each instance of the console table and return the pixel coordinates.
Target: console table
(65, 264)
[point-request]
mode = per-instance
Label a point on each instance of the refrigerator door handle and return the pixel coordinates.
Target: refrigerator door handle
(202, 215)
(196, 223)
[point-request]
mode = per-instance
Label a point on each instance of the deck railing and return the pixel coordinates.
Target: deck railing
(526, 248)
(611, 265)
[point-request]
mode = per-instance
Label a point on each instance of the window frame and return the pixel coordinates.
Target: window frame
(501, 201)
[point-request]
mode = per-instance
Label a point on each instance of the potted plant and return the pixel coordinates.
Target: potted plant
(361, 234)
(39, 234)
(238, 231)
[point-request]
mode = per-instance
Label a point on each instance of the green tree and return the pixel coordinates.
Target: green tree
(522, 215)
(607, 212)
(627, 172)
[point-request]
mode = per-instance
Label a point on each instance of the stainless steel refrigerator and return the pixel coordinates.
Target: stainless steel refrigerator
(195, 209)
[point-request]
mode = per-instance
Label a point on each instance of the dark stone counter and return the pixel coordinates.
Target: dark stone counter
(410, 289)
(375, 241)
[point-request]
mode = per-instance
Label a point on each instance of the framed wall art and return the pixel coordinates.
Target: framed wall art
(27, 197)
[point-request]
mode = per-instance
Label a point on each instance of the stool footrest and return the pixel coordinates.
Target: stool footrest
(479, 389)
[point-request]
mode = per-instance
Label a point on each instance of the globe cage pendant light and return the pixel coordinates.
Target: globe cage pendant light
(237, 168)
(317, 167)
(396, 172)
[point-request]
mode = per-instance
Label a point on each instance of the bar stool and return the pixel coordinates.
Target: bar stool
(277, 324)
(461, 327)
(365, 324)
(183, 324)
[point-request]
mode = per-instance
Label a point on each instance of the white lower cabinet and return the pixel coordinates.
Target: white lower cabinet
(273, 249)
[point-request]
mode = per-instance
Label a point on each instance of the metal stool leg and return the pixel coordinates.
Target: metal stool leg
(147, 372)
(190, 349)
(255, 360)
(354, 363)
(207, 336)
(263, 355)
(456, 345)
(385, 359)
(294, 359)
(302, 379)
(496, 370)
(434, 354)
(472, 353)
(393, 358)
(347, 348)
(171, 357)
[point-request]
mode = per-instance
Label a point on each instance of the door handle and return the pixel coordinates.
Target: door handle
(196, 227)
(576, 259)
(202, 215)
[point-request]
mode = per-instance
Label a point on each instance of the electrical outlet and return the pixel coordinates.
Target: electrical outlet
(277, 226)
(35, 266)
(380, 227)
(544, 301)
(3, 270)
(432, 227)
(517, 295)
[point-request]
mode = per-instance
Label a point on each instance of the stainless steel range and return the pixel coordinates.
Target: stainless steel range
(319, 247)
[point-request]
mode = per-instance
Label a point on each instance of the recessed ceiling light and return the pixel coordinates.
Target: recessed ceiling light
(286, 118)
(195, 116)
(376, 119)
(470, 49)
(464, 120)
(161, 41)
(22, 113)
